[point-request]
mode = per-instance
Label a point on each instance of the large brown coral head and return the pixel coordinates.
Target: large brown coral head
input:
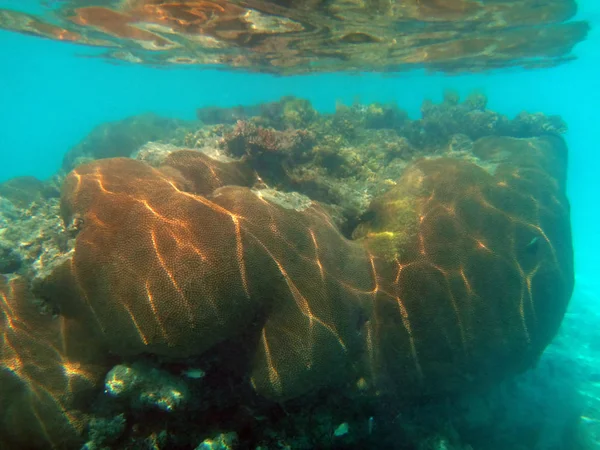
(460, 276)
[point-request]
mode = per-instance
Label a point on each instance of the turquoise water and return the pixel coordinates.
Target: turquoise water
(51, 98)
(46, 83)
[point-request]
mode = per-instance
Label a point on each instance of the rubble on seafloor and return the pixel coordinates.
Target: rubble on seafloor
(354, 198)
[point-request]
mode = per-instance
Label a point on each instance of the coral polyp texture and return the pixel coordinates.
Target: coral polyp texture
(362, 258)
(286, 37)
(480, 274)
(459, 277)
(49, 371)
(200, 268)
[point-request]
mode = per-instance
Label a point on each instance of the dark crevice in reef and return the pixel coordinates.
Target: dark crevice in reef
(271, 277)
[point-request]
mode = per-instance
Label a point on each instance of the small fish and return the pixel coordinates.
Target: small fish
(193, 373)
(342, 430)
(533, 245)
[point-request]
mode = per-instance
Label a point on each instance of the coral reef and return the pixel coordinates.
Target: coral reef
(292, 280)
(32, 235)
(470, 118)
(438, 244)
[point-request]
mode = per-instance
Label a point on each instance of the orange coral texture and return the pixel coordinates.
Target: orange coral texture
(475, 286)
(48, 370)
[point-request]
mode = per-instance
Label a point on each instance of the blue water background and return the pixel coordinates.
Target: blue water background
(50, 99)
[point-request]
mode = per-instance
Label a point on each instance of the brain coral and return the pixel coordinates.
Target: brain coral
(48, 371)
(481, 264)
(461, 275)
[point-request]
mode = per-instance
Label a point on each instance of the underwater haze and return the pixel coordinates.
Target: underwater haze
(292, 242)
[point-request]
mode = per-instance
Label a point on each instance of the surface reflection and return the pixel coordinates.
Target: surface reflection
(316, 35)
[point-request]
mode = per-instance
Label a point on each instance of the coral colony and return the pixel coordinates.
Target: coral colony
(270, 277)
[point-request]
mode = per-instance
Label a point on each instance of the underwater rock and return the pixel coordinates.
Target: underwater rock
(288, 112)
(104, 431)
(10, 261)
(145, 387)
(440, 122)
(526, 124)
(288, 200)
(460, 144)
(154, 153)
(212, 115)
(8, 212)
(224, 441)
(23, 191)
(122, 138)
(348, 119)
(33, 239)
(256, 141)
(378, 116)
